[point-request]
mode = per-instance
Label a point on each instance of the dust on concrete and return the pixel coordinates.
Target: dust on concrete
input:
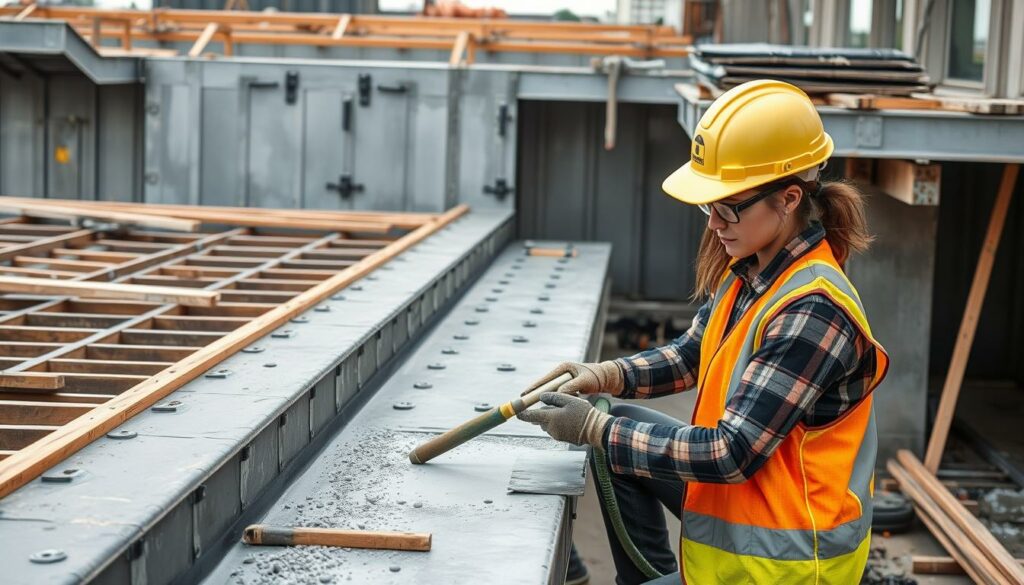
(1002, 512)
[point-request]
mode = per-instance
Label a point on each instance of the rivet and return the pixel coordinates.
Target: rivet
(504, 282)
(472, 321)
(555, 277)
(497, 290)
(491, 299)
(550, 285)
(559, 268)
(543, 298)
(422, 385)
(436, 366)
(50, 555)
(520, 259)
(460, 336)
(516, 267)
(482, 309)
(62, 476)
(449, 351)
(402, 405)
(171, 406)
(123, 434)
(300, 319)
(563, 260)
(356, 287)
(509, 274)
(270, 365)
(372, 277)
(520, 339)
(253, 349)
(537, 311)
(283, 334)
(506, 368)
(219, 374)
(322, 308)
(482, 407)
(529, 324)
(337, 297)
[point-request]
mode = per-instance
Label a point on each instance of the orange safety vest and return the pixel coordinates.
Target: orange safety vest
(805, 516)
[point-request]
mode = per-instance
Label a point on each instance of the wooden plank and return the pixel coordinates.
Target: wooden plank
(172, 281)
(910, 182)
(24, 466)
(297, 274)
(80, 366)
(82, 398)
(198, 271)
(44, 334)
(106, 307)
(110, 290)
(975, 104)
(26, 349)
(28, 10)
(339, 29)
(101, 383)
(944, 530)
(163, 337)
(50, 211)
(31, 380)
(233, 309)
(101, 255)
(196, 323)
(969, 322)
(203, 40)
(938, 565)
(971, 526)
(867, 101)
(53, 276)
(15, 437)
(138, 353)
(60, 263)
(257, 296)
(80, 237)
(19, 412)
(459, 49)
(131, 246)
(275, 284)
(82, 320)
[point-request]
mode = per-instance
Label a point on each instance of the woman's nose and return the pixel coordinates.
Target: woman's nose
(715, 221)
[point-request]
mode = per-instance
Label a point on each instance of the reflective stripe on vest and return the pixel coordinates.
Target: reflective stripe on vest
(805, 516)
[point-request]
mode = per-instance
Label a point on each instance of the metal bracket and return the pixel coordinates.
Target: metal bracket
(499, 189)
(346, 186)
(503, 119)
(291, 87)
(365, 84)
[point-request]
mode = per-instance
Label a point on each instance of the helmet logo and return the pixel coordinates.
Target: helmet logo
(698, 150)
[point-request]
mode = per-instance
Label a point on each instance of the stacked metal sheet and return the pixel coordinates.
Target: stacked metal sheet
(815, 70)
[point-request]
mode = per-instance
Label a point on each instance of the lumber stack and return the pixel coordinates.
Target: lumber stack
(968, 542)
(817, 71)
(191, 218)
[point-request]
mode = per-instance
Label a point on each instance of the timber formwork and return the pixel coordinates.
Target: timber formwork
(74, 368)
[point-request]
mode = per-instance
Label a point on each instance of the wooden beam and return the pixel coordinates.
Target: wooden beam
(21, 467)
(908, 181)
(28, 10)
(14, 437)
(79, 237)
(938, 565)
(73, 213)
(203, 40)
(944, 530)
(969, 322)
(32, 380)
(80, 366)
(971, 526)
(110, 290)
(340, 28)
(19, 412)
(459, 49)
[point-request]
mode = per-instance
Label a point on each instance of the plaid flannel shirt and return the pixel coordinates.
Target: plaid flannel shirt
(813, 366)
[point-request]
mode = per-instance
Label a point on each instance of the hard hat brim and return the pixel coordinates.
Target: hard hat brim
(688, 186)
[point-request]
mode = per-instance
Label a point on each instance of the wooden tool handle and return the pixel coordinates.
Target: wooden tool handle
(483, 423)
(262, 534)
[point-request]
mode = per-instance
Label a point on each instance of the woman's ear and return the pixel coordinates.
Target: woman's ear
(791, 198)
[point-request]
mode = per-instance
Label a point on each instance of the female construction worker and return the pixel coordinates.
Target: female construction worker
(774, 471)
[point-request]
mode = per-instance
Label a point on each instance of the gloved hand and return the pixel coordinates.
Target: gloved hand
(568, 418)
(586, 378)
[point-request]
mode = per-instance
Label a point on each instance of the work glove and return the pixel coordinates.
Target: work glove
(592, 378)
(568, 418)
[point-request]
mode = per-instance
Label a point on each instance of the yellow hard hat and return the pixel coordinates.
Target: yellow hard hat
(753, 134)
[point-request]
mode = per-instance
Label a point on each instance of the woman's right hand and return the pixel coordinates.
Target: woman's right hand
(587, 378)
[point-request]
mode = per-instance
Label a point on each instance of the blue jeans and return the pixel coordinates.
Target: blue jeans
(640, 500)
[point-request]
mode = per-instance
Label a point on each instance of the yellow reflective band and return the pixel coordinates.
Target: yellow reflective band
(507, 411)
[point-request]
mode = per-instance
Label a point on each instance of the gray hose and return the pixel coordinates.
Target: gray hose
(607, 495)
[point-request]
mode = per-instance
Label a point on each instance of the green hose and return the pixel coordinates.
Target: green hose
(607, 495)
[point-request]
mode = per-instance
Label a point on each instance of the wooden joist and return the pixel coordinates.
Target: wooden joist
(73, 213)
(109, 290)
(138, 392)
(31, 380)
(938, 565)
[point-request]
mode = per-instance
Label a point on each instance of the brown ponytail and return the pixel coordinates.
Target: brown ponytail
(839, 206)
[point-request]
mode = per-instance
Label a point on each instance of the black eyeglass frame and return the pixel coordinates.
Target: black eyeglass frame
(736, 208)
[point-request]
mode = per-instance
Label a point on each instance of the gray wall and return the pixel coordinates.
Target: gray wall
(96, 130)
(570, 187)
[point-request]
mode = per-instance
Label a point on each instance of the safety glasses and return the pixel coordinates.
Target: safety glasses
(730, 212)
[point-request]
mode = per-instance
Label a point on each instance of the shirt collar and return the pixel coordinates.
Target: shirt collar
(796, 247)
